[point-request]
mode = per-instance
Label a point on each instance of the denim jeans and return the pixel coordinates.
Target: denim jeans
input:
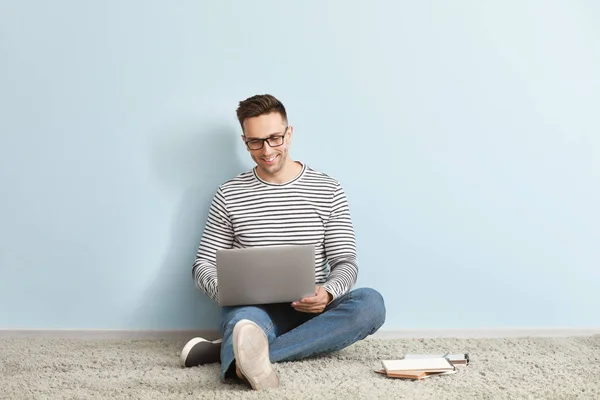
(295, 335)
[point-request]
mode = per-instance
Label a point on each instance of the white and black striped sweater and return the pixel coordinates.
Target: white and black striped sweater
(311, 209)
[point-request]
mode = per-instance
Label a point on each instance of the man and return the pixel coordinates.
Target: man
(281, 201)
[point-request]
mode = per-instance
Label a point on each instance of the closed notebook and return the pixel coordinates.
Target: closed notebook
(418, 364)
(420, 375)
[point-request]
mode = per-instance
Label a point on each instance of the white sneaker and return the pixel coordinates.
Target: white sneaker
(251, 350)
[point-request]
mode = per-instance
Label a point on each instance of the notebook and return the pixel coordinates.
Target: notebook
(418, 368)
(418, 364)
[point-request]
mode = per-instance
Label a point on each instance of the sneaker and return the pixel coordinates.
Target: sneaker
(200, 351)
(251, 350)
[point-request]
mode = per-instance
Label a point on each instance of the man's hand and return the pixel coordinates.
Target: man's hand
(315, 304)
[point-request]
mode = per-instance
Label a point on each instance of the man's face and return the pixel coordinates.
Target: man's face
(270, 160)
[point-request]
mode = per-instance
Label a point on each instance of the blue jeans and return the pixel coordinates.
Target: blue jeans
(295, 335)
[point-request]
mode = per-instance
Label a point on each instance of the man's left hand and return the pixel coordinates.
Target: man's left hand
(315, 304)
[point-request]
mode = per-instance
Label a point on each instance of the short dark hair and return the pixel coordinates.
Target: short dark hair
(259, 104)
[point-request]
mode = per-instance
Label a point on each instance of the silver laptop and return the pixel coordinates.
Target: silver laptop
(265, 274)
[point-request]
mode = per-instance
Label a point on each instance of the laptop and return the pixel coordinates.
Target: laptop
(265, 274)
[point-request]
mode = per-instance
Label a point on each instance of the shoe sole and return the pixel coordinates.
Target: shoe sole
(251, 351)
(190, 345)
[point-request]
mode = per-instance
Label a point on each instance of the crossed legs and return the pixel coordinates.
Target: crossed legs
(292, 335)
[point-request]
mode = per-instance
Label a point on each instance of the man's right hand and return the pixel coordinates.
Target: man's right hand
(315, 304)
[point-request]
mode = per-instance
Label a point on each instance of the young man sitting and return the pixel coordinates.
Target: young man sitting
(282, 201)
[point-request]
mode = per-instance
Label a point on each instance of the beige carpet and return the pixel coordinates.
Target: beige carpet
(534, 368)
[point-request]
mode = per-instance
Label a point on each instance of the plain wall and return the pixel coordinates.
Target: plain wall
(466, 135)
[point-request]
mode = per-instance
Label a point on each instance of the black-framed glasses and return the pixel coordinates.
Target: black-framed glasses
(273, 141)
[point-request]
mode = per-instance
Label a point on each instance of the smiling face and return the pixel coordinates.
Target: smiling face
(272, 159)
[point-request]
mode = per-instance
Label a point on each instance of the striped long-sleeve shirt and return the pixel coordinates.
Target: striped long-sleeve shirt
(311, 209)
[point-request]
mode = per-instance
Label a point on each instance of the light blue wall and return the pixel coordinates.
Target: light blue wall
(465, 133)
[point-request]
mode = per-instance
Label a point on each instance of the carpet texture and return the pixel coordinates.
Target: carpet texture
(527, 368)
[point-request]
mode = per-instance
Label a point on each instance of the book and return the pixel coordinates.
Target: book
(420, 375)
(432, 364)
(417, 368)
(455, 359)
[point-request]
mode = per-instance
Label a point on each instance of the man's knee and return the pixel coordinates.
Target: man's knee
(372, 307)
(232, 316)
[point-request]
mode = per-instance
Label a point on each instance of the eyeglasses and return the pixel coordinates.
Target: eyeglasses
(273, 141)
